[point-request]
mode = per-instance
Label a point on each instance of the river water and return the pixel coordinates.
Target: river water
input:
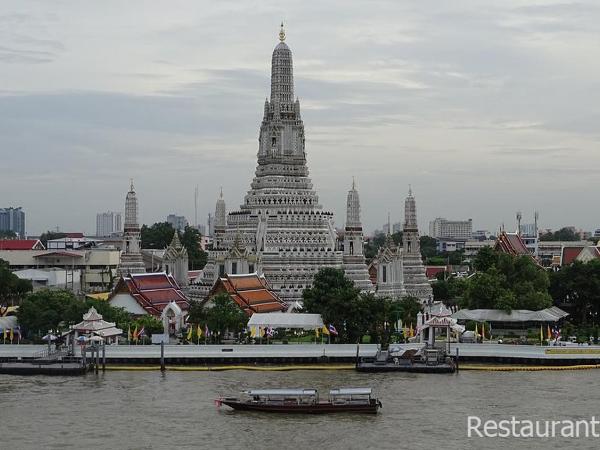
(150, 410)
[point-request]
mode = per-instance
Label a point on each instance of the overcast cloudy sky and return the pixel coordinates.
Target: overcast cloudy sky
(486, 108)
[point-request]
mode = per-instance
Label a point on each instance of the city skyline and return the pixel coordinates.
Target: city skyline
(480, 127)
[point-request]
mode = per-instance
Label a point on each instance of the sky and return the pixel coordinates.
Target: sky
(484, 108)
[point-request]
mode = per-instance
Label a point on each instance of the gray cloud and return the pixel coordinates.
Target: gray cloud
(485, 111)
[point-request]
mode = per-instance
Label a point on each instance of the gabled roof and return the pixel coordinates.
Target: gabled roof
(21, 244)
(152, 291)
(569, 254)
(251, 292)
(572, 254)
(511, 243)
(432, 271)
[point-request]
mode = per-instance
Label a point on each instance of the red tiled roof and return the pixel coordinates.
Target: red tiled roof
(21, 244)
(251, 292)
(569, 254)
(432, 271)
(511, 243)
(73, 235)
(152, 291)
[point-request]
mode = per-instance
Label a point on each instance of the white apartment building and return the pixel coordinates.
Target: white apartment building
(460, 230)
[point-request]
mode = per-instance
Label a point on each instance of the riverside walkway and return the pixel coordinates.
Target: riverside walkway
(316, 353)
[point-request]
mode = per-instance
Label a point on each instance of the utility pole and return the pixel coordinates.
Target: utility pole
(196, 206)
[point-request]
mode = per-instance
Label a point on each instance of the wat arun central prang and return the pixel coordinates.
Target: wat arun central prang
(281, 230)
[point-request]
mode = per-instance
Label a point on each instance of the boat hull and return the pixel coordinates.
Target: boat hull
(318, 408)
(442, 368)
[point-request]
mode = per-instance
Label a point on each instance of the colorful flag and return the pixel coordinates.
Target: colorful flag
(12, 335)
(4, 334)
(316, 332)
(142, 332)
(270, 332)
(411, 330)
(483, 330)
(129, 333)
(541, 334)
(198, 330)
(476, 330)
(252, 331)
(206, 331)
(135, 333)
(325, 330)
(332, 330)
(190, 333)
(548, 333)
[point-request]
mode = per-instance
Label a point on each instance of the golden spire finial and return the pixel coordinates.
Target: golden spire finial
(282, 33)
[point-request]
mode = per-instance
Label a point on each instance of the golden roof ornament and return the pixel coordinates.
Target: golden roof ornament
(281, 33)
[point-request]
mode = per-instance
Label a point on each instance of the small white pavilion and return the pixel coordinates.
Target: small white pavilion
(93, 324)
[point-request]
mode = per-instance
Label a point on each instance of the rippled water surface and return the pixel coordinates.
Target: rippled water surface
(131, 410)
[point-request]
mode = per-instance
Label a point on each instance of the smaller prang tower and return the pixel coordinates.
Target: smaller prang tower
(131, 256)
(354, 264)
(175, 261)
(415, 279)
(220, 221)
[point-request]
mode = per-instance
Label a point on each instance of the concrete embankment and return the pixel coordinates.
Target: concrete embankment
(342, 356)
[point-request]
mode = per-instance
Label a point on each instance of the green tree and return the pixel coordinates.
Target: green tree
(485, 259)
(50, 235)
(8, 234)
(158, 235)
(12, 288)
(576, 287)
(564, 234)
(428, 246)
(334, 296)
(507, 282)
(191, 241)
(222, 315)
(49, 309)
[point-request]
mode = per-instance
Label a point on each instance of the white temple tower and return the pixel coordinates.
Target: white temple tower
(131, 257)
(354, 259)
(220, 221)
(281, 221)
(415, 279)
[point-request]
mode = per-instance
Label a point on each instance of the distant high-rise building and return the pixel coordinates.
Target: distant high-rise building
(13, 219)
(177, 222)
(108, 223)
(461, 230)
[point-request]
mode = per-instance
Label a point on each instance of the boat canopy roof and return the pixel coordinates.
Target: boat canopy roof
(350, 391)
(283, 392)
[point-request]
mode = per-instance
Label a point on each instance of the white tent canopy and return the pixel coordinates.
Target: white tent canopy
(552, 314)
(286, 320)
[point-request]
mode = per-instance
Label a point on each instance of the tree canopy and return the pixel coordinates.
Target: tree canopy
(353, 314)
(222, 315)
(12, 288)
(564, 234)
(160, 234)
(501, 281)
(576, 287)
(55, 309)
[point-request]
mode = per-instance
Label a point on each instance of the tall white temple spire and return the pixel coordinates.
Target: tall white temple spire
(281, 224)
(131, 257)
(415, 279)
(354, 260)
